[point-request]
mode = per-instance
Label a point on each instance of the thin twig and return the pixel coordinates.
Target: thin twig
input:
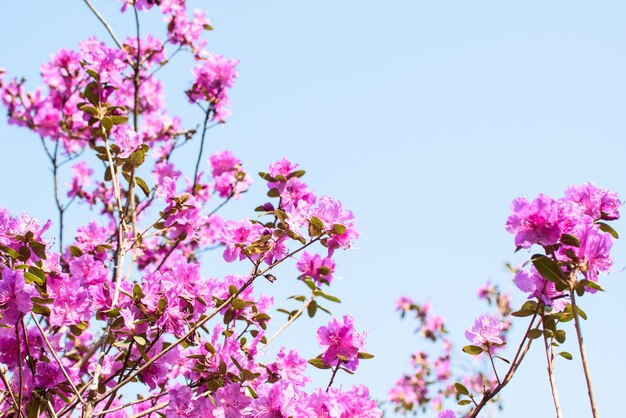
(56, 358)
(550, 361)
(291, 320)
(332, 377)
(8, 388)
(104, 22)
(583, 354)
(207, 116)
(493, 366)
(151, 410)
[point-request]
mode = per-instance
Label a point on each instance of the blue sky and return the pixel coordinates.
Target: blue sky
(426, 118)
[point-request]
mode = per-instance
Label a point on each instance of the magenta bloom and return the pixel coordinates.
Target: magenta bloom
(486, 332)
(446, 414)
(213, 79)
(15, 296)
(532, 282)
(535, 222)
(236, 235)
(317, 268)
(594, 250)
(341, 339)
(597, 202)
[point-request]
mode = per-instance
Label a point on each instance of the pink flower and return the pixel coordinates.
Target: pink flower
(126, 139)
(317, 268)
(332, 213)
(535, 222)
(340, 339)
(107, 62)
(486, 333)
(15, 296)
(212, 80)
(533, 283)
(597, 202)
(230, 402)
(282, 167)
(236, 235)
(81, 177)
(446, 414)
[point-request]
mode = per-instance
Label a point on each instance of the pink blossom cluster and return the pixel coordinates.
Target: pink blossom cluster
(429, 386)
(126, 299)
(573, 233)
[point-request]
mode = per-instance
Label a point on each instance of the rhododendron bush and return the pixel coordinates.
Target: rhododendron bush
(118, 319)
(122, 315)
(573, 240)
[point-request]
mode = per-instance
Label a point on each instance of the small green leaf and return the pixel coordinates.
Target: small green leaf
(273, 192)
(329, 297)
(30, 278)
(534, 333)
(107, 123)
(581, 313)
(119, 120)
(318, 363)
(474, 350)
(461, 389)
(364, 356)
(503, 359)
(143, 186)
(571, 240)
(565, 355)
(548, 268)
(608, 229)
(140, 340)
(464, 402)
(591, 285)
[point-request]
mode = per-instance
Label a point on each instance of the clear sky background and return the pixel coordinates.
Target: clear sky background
(426, 118)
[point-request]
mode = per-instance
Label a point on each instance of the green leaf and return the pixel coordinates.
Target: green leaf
(571, 240)
(608, 229)
(461, 389)
(548, 268)
(312, 309)
(591, 285)
(75, 251)
(316, 226)
(464, 402)
(474, 350)
(39, 249)
(238, 304)
(560, 336)
(318, 363)
(137, 292)
(107, 123)
(281, 215)
(338, 229)
(581, 313)
(30, 278)
(565, 355)
(329, 297)
(10, 252)
(503, 359)
(297, 173)
(143, 186)
(141, 341)
(273, 192)
(364, 356)
(534, 333)
(119, 120)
